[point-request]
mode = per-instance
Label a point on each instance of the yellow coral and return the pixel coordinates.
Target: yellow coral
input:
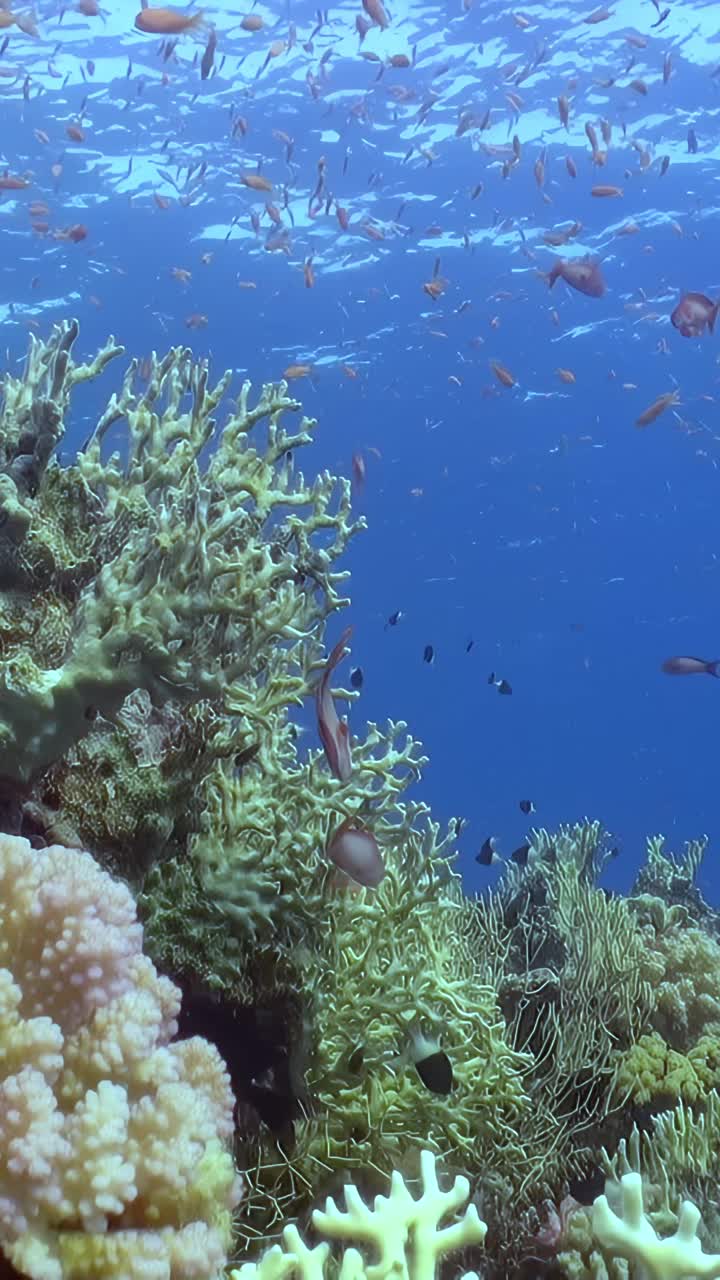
(651, 1069)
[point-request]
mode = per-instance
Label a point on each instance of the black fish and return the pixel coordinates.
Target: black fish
(486, 856)
(520, 855)
(428, 653)
(502, 686)
(356, 678)
(356, 1060)
(436, 1072)
(394, 619)
(208, 57)
(692, 143)
(685, 666)
(527, 806)
(469, 645)
(247, 754)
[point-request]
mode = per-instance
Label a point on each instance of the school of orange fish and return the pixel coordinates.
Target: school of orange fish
(429, 98)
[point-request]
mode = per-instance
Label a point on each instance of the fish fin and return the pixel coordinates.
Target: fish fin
(713, 317)
(26, 23)
(199, 22)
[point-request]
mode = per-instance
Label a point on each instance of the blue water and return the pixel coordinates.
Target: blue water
(575, 551)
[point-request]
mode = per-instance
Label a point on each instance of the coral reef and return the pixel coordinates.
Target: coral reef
(403, 1232)
(172, 570)
(630, 1235)
(114, 1140)
(163, 615)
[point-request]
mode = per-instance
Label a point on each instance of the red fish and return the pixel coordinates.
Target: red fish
(693, 313)
(334, 732)
(690, 666)
(582, 275)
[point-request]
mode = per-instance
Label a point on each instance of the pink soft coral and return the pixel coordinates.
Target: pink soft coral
(113, 1140)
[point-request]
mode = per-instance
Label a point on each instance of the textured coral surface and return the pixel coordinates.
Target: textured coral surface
(113, 1139)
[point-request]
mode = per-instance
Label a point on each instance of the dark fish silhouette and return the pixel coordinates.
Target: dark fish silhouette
(683, 666)
(520, 855)
(502, 686)
(487, 854)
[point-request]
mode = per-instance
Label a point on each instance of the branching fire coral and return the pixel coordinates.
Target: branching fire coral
(404, 1234)
(179, 589)
(113, 1140)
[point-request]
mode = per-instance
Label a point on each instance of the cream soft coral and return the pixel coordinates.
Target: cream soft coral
(113, 1140)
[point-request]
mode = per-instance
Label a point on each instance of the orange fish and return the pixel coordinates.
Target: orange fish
(75, 133)
(657, 407)
(8, 182)
(256, 182)
(585, 276)
(502, 374)
(563, 110)
(570, 166)
(375, 10)
(606, 191)
(297, 371)
(693, 312)
(252, 22)
(23, 21)
(196, 321)
(434, 288)
(169, 22)
(565, 375)
(309, 274)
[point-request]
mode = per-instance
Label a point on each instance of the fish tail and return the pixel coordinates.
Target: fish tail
(199, 22)
(26, 23)
(712, 668)
(713, 317)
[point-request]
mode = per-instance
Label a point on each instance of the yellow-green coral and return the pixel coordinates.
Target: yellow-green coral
(389, 961)
(182, 588)
(401, 1232)
(566, 960)
(650, 1070)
